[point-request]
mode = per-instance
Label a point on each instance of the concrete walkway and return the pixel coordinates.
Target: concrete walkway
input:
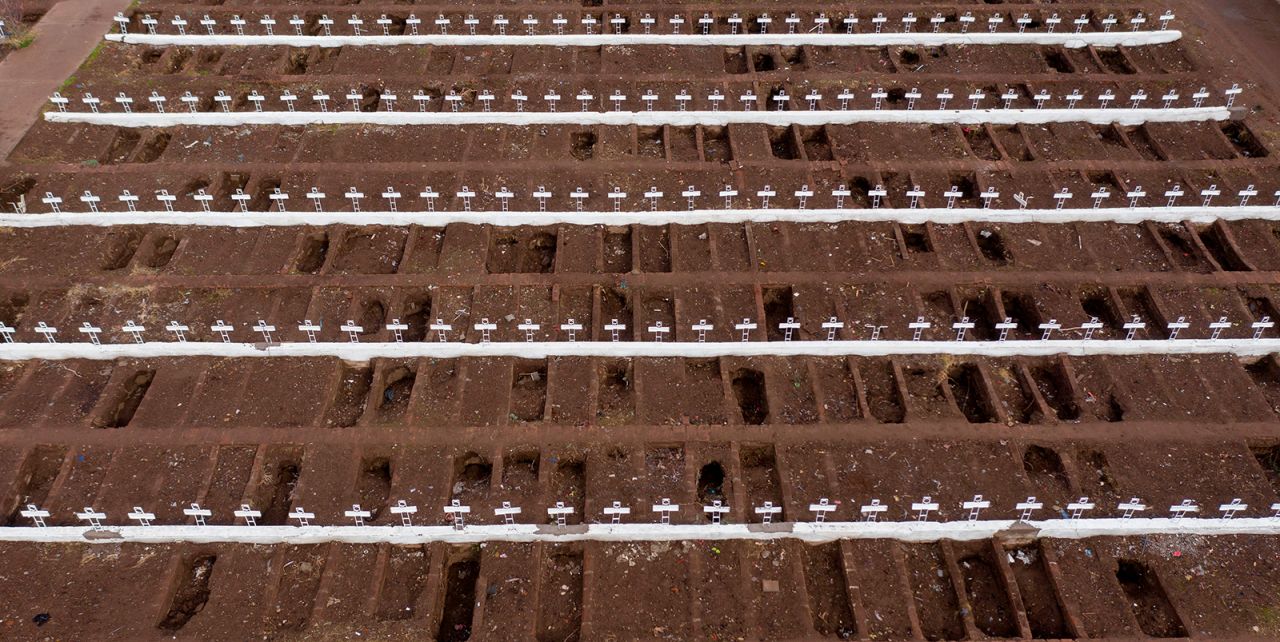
(64, 38)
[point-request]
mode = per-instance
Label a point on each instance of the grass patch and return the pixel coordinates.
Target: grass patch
(23, 41)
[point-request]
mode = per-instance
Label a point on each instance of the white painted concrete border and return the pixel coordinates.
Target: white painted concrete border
(925, 39)
(922, 116)
(806, 531)
(358, 352)
(1122, 215)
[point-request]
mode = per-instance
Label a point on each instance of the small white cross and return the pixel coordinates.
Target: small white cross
(745, 328)
(1209, 194)
(1027, 508)
(35, 514)
(135, 330)
(223, 329)
(918, 327)
(48, 331)
(458, 512)
(832, 326)
(1135, 195)
(871, 512)
(716, 510)
(6, 332)
(924, 507)
(485, 328)
(1246, 194)
(788, 328)
(767, 511)
(141, 516)
(659, 331)
(877, 195)
(353, 330)
(304, 518)
(653, 194)
(1091, 326)
(728, 193)
(200, 514)
(1131, 328)
(1262, 326)
(431, 196)
(248, 514)
(702, 327)
(1217, 328)
(1177, 326)
(1134, 505)
(92, 331)
(310, 328)
(1077, 508)
(975, 506)
(1230, 509)
(265, 330)
(1004, 327)
(615, 511)
(664, 509)
(93, 517)
(915, 194)
(405, 511)
(357, 514)
(614, 328)
(397, 330)
(179, 330)
(1187, 506)
(507, 512)
(821, 509)
(542, 194)
(690, 195)
(572, 327)
(528, 328)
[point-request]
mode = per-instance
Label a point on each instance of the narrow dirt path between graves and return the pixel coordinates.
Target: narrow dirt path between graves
(64, 38)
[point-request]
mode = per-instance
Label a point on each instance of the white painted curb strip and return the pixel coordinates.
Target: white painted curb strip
(1123, 215)
(357, 352)
(1068, 40)
(806, 531)
(1120, 116)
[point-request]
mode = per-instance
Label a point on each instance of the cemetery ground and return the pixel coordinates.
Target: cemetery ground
(285, 433)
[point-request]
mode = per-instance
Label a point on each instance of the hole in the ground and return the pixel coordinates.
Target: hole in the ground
(1051, 380)
(1269, 458)
(749, 390)
(1097, 303)
(374, 485)
(416, 312)
(735, 60)
(1151, 606)
(311, 256)
(396, 391)
(153, 148)
(529, 390)
(583, 145)
(13, 197)
(711, 483)
(281, 480)
(120, 248)
(1096, 462)
(162, 249)
(127, 400)
(352, 396)
(778, 307)
(1043, 463)
(459, 596)
(39, 470)
(1222, 250)
(967, 386)
(909, 57)
(992, 246)
(1243, 139)
(1023, 310)
(916, 238)
(190, 594)
(763, 61)
(1058, 61)
(782, 142)
(471, 472)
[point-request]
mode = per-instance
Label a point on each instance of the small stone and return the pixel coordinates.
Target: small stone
(769, 586)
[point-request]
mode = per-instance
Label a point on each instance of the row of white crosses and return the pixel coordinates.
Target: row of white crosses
(457, 513)
(619, 24)
(658, 331)
(619, 101)
(654, 196)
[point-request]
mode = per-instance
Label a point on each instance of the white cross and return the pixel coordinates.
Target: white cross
(840, 193)
(918, 327)
(35, 514)
(1217, 328)
(1109, 22)
(1131, 328)
(239, 23)
(915, 194)
(91, 200)
(879, 20)
(1047, 329)
(962, 326)
(572, 327)
(832, 326)
(542, 194)
(458, 512)
(585, 98)
(702, 327)
(1078, 507)
(727, 194)
(120, 20)
(279, 197)
(181, 24)
(135, 330)
(551, 97)
(682, 99)
(1041, 98)
(878, 96)
(59, 100)
(1170, 98)
(615, 511)
(943, 97)
(1177, 326)
(441, 329)
(223, 329)
(579, 195)
(877, 194)
(617, 98)
(1233, 93)
(1246, 194)
(1027, 508)
(821, 509)
(504, 197)
(248, 514)
(1187, 506)
(1199, 97)
(849, 22)
(1137, 99)
(264, 329)
(125, 102)
(1102, 194)
(664, 509)
(405, 511)
(92, 331)
(653, 195)
(705, 22)
(150, 23)
(141, 516)
(871, 512)
(1276, 507)
(93, 517)
(717, 510)
(844, 97)
(924, 507)
(421, 97)
(614, 328)
(353, 331)
(659, 331)
(297, 23)
(1137, 21)
(485, 327)
(1262, 326)
(788, 328)
(179, 330)
(748, 99)
(389, 99)
(200, 514)
(466, 194)
(355, 22)
(1004, 327)
(304, 518)
(1091, 326)
(1209, 195)
(647, 20)
(589, 22)
(764, 21)
(431, 196)
(977, 97)
(6, 332)
(528, 328)
(617, 21)
(1137, 193)
(616, 195)
(875, 330)
(975, 506)
(48, 331)
(1105, 98)
(396, 328)
(507, 512)
(560, 513)
(203, 198)
(1134, 505)
(357, 514)
(1173, 195)
(310, 328)
(317, 197)
(1230, 509)
(812, 98)
(994, 22)
(766, 512)
(912, 96)
(690, 194)
(745, 327)
(1165, 19)
(1009, 96)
